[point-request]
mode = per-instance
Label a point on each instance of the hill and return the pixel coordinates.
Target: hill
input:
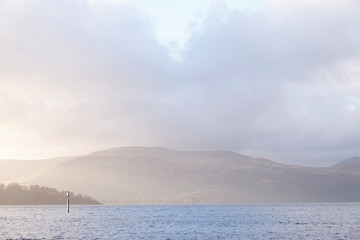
(159, 175)
(350, 162)
(15, 194)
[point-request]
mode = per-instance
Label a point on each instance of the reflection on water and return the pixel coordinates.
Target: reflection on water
(270, 221)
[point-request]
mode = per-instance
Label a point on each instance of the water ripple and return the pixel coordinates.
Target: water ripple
(270, 221)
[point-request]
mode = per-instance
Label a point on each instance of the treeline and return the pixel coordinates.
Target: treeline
(15, 194)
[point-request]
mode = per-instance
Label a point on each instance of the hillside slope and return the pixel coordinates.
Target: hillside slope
(159, 175)
(14, 194)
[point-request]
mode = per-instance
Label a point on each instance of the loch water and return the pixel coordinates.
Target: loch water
(245, 221)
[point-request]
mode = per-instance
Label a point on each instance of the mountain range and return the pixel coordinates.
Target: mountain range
(159, 175)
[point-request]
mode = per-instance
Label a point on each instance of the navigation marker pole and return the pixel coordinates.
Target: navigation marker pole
(68, 200)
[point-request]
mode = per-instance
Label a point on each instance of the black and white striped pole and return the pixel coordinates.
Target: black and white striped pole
(68, 200)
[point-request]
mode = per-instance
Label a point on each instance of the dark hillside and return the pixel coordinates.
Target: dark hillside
(15, 194)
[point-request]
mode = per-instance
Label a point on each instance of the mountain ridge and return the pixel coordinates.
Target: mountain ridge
(161, 175)
(355, 160)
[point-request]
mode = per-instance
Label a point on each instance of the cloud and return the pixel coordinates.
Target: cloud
(279, 82)
(283, 70)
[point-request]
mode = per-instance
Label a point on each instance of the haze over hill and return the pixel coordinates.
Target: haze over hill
(159, 175)
(15, 169)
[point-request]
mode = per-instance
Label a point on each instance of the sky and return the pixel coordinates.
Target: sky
(270, 78)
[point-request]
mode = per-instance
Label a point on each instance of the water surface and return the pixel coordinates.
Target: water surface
(268, 221)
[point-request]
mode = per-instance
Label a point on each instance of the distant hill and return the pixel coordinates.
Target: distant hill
(353, 161)
(15, 194)
(159, 175)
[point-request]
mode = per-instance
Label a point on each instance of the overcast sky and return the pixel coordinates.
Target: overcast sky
(273, 78)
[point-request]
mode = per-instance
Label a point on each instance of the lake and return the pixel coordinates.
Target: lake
(252, 221)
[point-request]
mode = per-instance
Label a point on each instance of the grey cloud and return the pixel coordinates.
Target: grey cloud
(260, 45)
(260, 55)
(258, 82)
